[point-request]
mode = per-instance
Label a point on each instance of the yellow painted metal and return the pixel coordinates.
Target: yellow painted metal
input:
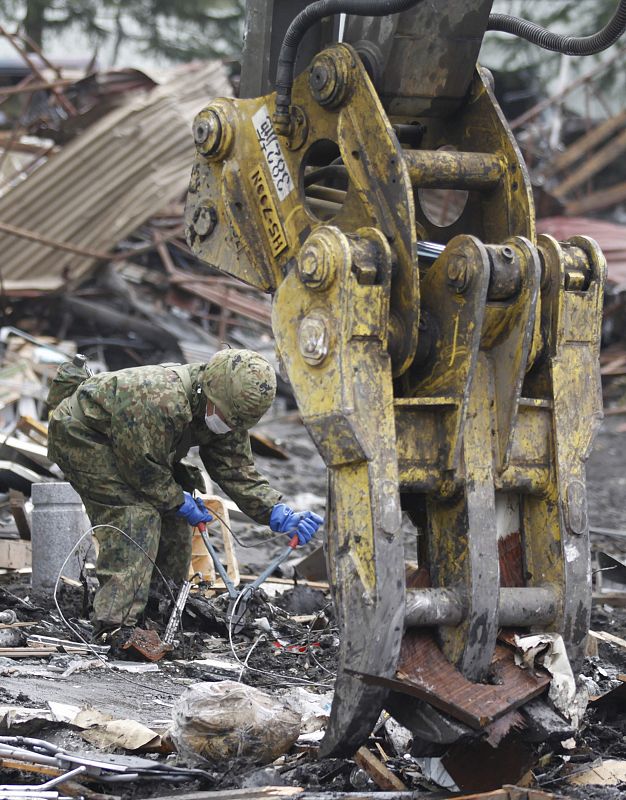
(344, 391)
(435, 386)
(450, 170)
(255, 189)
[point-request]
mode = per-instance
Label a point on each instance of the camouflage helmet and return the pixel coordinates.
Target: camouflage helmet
(242, 384)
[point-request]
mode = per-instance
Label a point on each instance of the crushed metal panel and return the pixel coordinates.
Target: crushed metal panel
(107, 181)
(424, 672)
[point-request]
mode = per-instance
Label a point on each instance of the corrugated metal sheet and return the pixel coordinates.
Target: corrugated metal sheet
(610, 236)
(107, 181)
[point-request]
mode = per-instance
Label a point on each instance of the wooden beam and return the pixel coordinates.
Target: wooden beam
(378, 772)
(34, 87)
(596, 201)
(23, 233)
(585, 143)
(600, 159)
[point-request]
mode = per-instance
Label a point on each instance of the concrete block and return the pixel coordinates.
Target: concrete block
(58, 521)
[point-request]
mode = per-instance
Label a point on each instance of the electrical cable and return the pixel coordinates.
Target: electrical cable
(289, 678)
(559, 43)
(301, 24)
(77, 633)
(308, 640)
(258, 639)
(238, 540)
(244, 664)
(567, 45)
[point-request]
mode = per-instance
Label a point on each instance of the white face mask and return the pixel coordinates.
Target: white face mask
(215, 424)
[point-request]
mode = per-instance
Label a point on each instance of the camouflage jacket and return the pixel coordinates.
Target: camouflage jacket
(151, 423)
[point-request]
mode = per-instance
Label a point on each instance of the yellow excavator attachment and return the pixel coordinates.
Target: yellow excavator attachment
(445, 362)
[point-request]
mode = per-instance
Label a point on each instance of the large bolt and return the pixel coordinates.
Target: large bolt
(458, 273)
(204, 220)
(313, 264)
(324, 251)
(208, 132)
(313, 338)
(321, 78)
(328, 80)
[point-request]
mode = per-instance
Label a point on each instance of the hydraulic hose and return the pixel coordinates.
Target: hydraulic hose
(567, 45)
(300, 25)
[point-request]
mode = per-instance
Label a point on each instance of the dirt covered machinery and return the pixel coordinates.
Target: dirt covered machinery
(443, 356)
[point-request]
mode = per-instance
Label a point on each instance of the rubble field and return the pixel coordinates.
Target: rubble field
(288, 650)
(232, 713)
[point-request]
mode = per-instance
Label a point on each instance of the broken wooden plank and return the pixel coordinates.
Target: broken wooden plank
(27, 652)
(4, 625)
(323, 585)
(15, 553)
(610, 638)
(201, 561)
(378, 772)
(596, 201)
(585, 144)
(424, 672)
(610, 598)
(34, 429)
(609, 772)
(601, 158)
(16, 505)
(264, 445)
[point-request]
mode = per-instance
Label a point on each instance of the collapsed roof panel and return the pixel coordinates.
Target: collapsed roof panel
(105, 183)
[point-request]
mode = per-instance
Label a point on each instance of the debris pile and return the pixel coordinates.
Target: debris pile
(93, 169)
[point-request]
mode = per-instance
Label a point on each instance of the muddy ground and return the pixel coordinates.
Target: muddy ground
(308, 652)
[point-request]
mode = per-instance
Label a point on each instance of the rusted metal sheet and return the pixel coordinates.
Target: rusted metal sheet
(106, 182)
(610, 236)
(148, 644)
(424, 672)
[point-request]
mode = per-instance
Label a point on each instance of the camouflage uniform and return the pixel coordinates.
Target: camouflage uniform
(119, 440)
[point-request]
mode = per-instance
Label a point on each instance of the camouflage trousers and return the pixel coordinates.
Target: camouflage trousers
(124, 568)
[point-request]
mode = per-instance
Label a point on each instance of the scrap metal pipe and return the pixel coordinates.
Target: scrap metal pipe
(447, 169)
(521, 606)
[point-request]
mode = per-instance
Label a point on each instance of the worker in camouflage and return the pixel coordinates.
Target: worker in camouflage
(119, 439)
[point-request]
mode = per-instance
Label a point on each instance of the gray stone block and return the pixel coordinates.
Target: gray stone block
(58, 521)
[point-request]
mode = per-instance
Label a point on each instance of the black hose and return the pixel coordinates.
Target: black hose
(300, 25)
(568, 45)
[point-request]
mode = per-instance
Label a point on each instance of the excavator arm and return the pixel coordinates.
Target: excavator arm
(444, 358)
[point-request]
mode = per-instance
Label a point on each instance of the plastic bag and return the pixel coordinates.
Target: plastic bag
(218, 722)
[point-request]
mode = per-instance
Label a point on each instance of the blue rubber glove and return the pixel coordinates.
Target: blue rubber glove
(194, 510)
(305, 523)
